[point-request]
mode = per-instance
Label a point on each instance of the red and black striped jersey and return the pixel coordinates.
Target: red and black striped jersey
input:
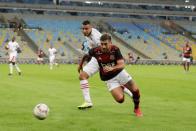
(109, 58)
(187, 52)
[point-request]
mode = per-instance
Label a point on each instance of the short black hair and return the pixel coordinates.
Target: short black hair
(86, 22)
(105, 36)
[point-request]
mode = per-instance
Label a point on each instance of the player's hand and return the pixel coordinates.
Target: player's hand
(107, 68)
(80, 68)
(6, 47)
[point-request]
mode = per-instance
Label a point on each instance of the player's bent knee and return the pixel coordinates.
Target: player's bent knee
(83, 75)
(120, 99)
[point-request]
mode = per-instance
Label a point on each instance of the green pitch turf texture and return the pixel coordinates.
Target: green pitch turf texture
(168, 100)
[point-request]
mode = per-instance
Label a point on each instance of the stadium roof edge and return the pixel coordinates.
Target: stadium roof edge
(95, 10)
(142, 2)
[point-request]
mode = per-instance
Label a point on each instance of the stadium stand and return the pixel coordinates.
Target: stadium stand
(59, 25)
(142, 41)
(52, 30)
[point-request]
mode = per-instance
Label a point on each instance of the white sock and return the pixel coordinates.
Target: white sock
(128, 92)
(11, 68)
(85, 90)
(17, 68)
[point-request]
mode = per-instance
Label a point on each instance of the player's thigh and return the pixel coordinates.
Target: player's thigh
(91, 67)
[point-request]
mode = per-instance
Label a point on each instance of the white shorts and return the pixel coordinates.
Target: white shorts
(121, 79)
(91, 67)
(186, 59)
(51, 59)
(40, 59)
(12, 57)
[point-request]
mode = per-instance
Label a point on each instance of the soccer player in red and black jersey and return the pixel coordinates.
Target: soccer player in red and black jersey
(130, 58)
(40, 59)
(92, 36)
(111, 69)
(187, 54)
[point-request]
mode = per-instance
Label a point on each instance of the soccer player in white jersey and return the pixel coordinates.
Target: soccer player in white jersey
(13, 50)
(52, 52)
(92, 36)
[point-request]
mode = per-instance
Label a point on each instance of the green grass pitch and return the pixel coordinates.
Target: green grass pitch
(168, 100)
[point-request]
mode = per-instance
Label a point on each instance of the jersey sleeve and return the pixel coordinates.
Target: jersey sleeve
(91, 52)
(118, 54)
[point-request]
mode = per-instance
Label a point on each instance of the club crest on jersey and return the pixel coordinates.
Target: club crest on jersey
(99, 58)
(112, 57)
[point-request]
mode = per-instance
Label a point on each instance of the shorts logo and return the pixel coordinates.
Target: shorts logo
(112, 57)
